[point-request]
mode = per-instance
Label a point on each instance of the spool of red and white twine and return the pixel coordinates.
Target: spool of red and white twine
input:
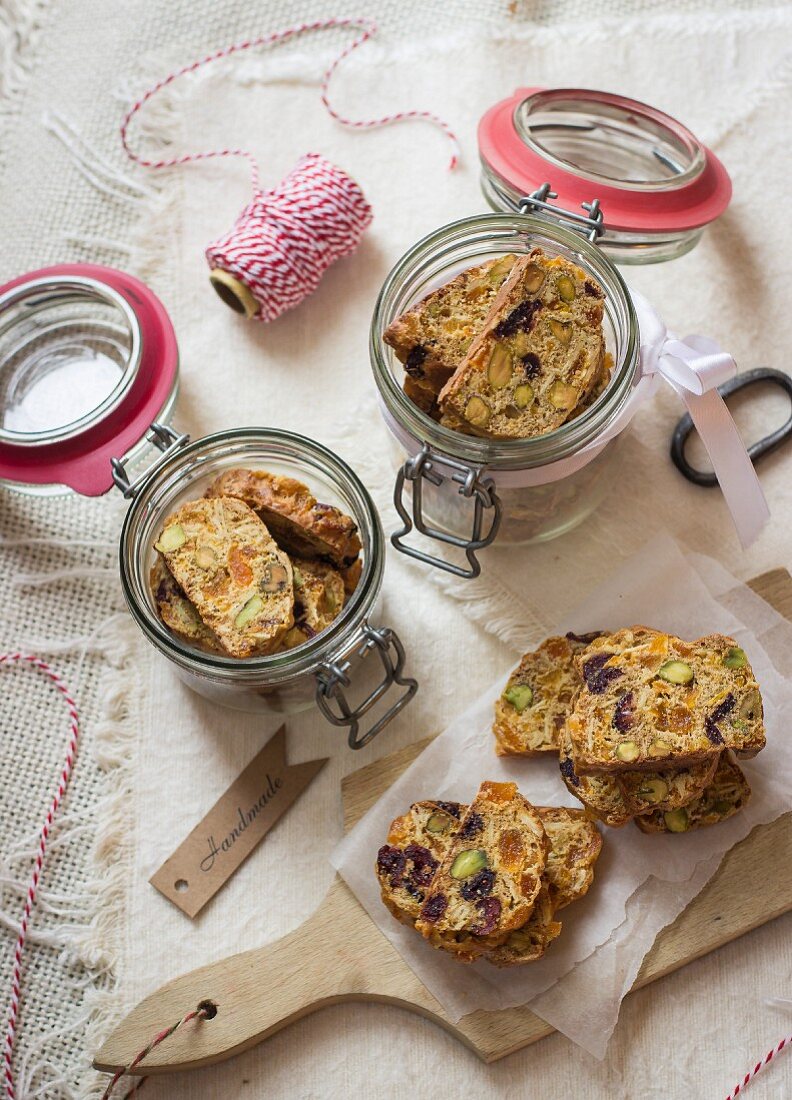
(286, 237)
(30, 898)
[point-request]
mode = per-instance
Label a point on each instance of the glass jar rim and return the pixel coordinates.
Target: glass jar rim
(290, 664)
(642, 115)
(518, 453)
(61, 290)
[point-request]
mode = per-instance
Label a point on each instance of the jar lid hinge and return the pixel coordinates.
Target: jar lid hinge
(591, 222)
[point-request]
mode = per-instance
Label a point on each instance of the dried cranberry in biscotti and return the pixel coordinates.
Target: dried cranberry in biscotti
(434, 908)
(489, 911)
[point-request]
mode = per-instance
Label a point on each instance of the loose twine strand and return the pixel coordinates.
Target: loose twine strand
(204, 1011)
(759, 1067)
(367, 28)
(285, 238)
(13, 1011)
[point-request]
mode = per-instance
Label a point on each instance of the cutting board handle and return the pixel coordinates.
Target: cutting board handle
(256, 993)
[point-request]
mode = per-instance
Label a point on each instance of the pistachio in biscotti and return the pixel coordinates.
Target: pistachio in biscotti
(319, 596)
(687, 703)
(725, 795)
(532, 709)
(479, 910)
(432, 338)
(537, 357)
(176, 611)
(299, 523)
(228, 565)
(665, 790)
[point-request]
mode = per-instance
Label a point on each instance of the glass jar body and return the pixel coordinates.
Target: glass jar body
(282, 683)
(547, 484)
(535, 513)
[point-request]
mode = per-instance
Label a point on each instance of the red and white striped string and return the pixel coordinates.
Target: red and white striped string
(737, 1091)
(30, 899)
(202, 1012)
(286, 238)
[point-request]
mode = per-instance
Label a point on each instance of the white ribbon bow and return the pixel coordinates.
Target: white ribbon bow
(694, 368)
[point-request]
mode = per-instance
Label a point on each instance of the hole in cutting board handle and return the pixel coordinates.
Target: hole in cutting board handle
(209, 1009)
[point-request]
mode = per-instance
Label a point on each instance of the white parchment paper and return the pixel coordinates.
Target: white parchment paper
(641, 882)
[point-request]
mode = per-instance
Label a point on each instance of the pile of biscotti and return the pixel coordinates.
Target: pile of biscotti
(487, 880)
(509, 349)
(646, 726)
(255, 566)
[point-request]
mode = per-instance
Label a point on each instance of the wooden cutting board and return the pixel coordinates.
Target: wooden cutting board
(339, 954)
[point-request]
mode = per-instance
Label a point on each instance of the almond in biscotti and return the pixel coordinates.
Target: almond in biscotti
(721, 799)
(417, 843)
(432, 338)
(319, 596)
(538, 355)
(232, 571)
(488, 881)
(176, 611)
(299, 523)
(532, 709)
(651, 701)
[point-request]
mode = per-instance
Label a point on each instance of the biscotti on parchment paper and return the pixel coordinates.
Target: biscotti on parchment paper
(650, 701)
(486, 880)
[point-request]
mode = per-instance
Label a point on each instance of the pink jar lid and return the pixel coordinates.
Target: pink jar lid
(650, 174)
(88, 360)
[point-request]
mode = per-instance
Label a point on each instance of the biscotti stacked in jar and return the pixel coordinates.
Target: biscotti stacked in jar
(508, 349)
(647, 726)
(486, 881)
(255, 567)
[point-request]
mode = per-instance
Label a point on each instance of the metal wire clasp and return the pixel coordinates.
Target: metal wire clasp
(333, 677)
(165, 439)
(426, 464)
(591, 222)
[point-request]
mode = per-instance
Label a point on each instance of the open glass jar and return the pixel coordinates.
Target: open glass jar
(601, 153)
(104, 326)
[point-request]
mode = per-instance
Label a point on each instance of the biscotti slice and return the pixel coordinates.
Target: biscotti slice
(574, 843)
(232, 571)
(538, 355)
(529, 943)
(296, 520)
(423, 396)
(665, 790)
(432, 338)
(318, 600)
(416, 845)
(724, 797)
(600, 794)
(176, 611)
(651, 701)
(489, 879)
(531, 712)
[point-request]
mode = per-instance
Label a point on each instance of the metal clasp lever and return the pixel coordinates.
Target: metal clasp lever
(425, 465)
(165, 439)
(333, 678)
(591, 221)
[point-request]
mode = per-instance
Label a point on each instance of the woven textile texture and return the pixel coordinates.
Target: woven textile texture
(102, 938)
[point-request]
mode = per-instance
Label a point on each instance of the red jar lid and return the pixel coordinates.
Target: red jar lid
(88, 359)
(649, 172)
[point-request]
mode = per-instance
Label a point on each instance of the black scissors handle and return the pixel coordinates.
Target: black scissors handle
(762, 447)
